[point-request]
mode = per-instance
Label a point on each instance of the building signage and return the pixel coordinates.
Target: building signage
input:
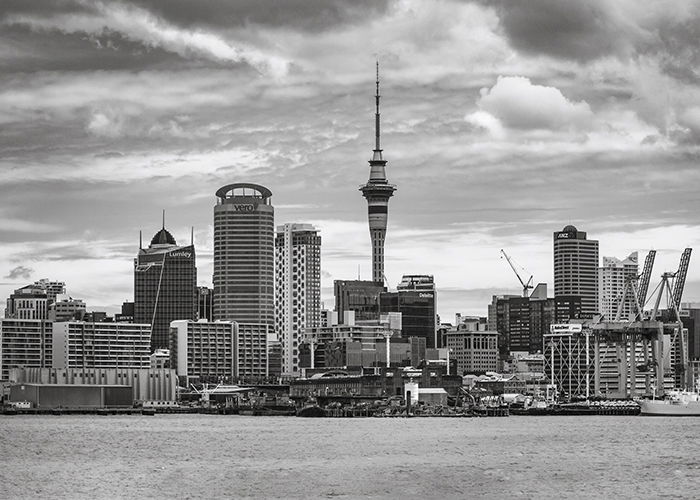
(566, 328)
(425, 295)
(244, 208)
(186, 255)
(564, 236)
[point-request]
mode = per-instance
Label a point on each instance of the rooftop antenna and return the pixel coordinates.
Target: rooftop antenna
(140, 240)
(192, 236)
(163, 218)
(358, 272)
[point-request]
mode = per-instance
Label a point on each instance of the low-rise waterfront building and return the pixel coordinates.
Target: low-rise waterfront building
(390, 382)
(146, 384)
(24, 342)
(79, 344)
(204, 351)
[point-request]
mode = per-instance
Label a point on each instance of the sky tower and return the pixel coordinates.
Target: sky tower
(377, 191)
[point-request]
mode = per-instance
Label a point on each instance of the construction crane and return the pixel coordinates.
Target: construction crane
(526, 286)
(679, 282)
(644, 279)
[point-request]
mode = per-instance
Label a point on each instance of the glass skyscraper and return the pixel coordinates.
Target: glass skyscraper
(165, 286)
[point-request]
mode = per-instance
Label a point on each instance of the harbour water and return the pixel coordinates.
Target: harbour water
(210, 456)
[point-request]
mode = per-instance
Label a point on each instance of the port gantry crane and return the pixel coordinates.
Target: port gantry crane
(649, 330)
(526, 286)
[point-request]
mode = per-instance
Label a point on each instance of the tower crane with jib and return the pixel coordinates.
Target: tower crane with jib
(526, 285)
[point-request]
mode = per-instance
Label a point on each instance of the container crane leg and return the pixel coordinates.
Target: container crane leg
(633, 365)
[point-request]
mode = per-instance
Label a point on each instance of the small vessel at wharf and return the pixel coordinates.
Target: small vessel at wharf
(676, 404)
(311, 409)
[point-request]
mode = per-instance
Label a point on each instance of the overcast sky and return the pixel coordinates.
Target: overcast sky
(502, 123)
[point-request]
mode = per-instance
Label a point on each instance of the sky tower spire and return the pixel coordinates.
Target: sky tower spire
(377, 144)
(377, 192)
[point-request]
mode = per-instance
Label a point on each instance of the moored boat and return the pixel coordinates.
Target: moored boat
(677, 404)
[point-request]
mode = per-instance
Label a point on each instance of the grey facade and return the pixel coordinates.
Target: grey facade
(576, 268)
(165, 286)
(244, 254)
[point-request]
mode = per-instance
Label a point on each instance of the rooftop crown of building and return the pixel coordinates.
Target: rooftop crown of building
(163, 237)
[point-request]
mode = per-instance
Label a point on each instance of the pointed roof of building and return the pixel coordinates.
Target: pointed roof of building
(163, 237)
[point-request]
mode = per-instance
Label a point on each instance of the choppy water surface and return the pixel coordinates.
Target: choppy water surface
(189, 456)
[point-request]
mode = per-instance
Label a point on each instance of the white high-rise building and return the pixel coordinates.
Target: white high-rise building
(297, 288)
(612, 277)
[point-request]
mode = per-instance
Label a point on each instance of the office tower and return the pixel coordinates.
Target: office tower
(521, 322)
(127, 313)
(377, 191)
(165, 281)
(359, 296)
(205, 303)
(415, 299)
(475, 351)
(244, 254)
(33, 301)
(297, 288)
(79, 344)
(204, 351)
(612, 277)
(24, 342)
(576, 268)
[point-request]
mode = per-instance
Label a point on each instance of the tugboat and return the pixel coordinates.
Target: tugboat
(311, 409)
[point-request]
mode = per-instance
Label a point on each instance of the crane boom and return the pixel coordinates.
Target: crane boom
(645, 277)
(680, 275)
(526, 286)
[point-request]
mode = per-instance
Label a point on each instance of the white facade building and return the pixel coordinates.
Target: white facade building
(297, 288)
(78, 344)
(204, 350)
(33, 301)
(611, 280)
(24, 342)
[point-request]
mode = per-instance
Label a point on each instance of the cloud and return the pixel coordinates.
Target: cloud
(137, 24)
(486, 121)
(306, 15)
(517, 103)
(690, 118)
(20, 272)
(567, 29)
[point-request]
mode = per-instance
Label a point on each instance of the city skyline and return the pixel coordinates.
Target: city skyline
(497, 134)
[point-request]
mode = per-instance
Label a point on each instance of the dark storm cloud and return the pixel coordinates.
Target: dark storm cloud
(29, 51)
(308, 15)
(584, 31)
(18, 272)
(565, 29)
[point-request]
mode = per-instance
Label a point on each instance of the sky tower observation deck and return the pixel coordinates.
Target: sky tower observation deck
(377, 192)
